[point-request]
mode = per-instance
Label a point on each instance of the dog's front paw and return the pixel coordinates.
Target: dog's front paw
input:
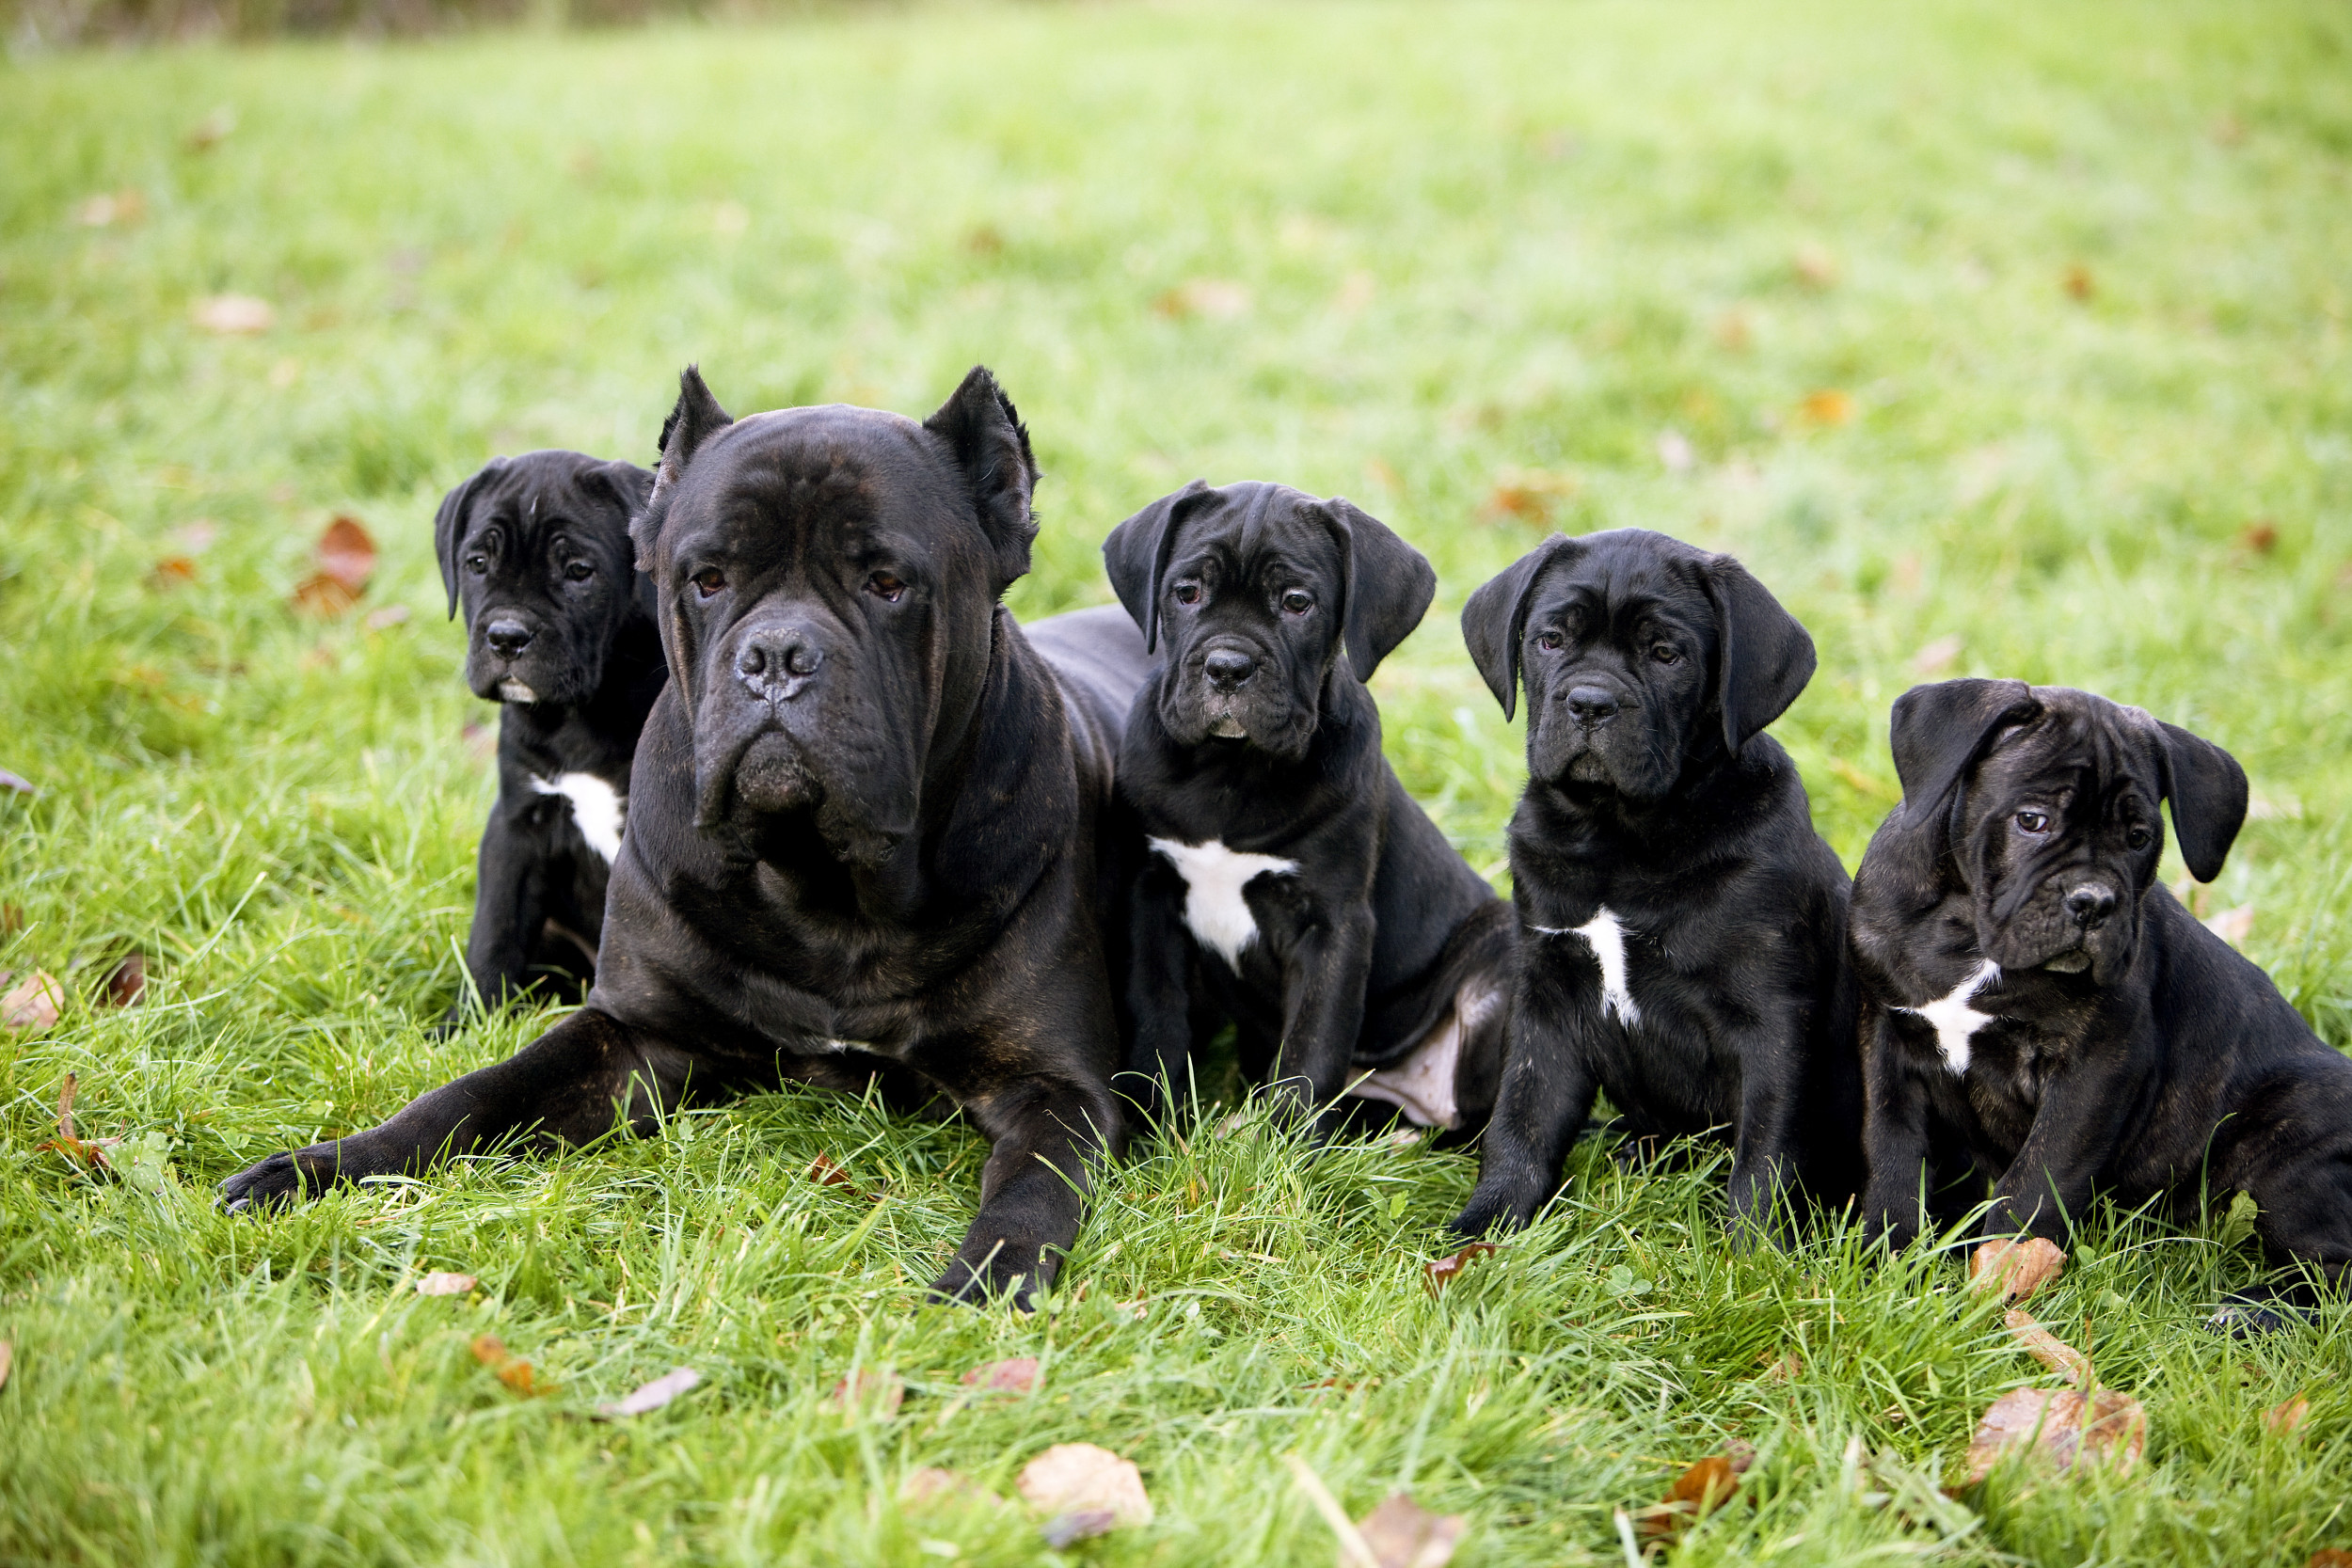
(275, 1182)
(1494, 1208)
(999, 1272)
(2245, 1314)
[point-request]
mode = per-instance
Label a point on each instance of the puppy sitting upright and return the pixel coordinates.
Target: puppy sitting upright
(1354, 950)
(559, 628)
(2037, 1005)
(1682, 927)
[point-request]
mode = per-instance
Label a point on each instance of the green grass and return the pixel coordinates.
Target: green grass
(1468, 239)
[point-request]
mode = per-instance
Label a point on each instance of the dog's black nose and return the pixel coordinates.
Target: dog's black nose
(1591, 704)
(2090, 905)
(1229, 669)
(779, 656)
(508, 637)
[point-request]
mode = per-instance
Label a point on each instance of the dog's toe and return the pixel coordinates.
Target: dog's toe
(273, 1184)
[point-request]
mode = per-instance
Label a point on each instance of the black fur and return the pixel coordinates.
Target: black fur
(867, 811)
(1651, 667)
(560, 630)
(1254, 734)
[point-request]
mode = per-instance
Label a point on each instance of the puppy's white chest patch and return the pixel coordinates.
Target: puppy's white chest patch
(1605, 936)
(597, 809)
(1954, 1019)
(1214, 912)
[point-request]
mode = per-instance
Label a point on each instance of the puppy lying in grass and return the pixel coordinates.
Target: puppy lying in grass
(1682, 939)
(2041, 1014)
(560, 629)
(1291, 878)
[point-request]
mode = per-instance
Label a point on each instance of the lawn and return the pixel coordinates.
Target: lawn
(2001, 340)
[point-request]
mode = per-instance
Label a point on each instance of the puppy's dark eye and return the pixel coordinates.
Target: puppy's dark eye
(2035, 822)
(1297, 601)
(1188, 592)
(1550, 642)
(1666, 653)
(886, 587)
(709, 582)
(579, 571)
(2139, 837)
(477, 564)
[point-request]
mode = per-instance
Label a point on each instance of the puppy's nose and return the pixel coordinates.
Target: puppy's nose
(508, 637)
(1591, 704)
(2090, 905)
(1229, 669)
(777, 657)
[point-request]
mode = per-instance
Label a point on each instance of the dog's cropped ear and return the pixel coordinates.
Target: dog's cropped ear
(450, 523)
(1938, 731)
(990, 446)
(695, 418)
(1494, 619)
(1386, 584)
(1135, 557)
(1767, 655)
(2208, 792)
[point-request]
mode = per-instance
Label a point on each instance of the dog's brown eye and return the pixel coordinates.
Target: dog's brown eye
(1298, 601)
(886, 588)
(1188, 592)
(579, 571)
(2139, 838)
(477, 564)
(1665, 653)
(708, 584)
(1551, 642)
(2033, 822)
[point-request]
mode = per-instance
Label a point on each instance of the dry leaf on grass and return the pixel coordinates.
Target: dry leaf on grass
(2061, 1425)
(1699, 1491)
(1530, 493)
(1084, 1491)
(2287, 1417)
(34, 1002)
(826, 1172)
(235, 315)
(654, 1395)
(1785, 1370)
(1214, 298)
(174, 571)
(2078, 281)
(82, 1151)
(2047, 1348)
(441, 1282)
(1440, 1272)
(2331, 1556)
(517, 1374)
(869, 1389)
(1017, 1376)
(2261, 536)
(1403, 1534)
(127, 982)
(2020, 1268)
(346, 558)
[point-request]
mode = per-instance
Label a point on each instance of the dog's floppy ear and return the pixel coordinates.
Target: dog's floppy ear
(1767, 655)
(628, 484)
(1135, 557)
(2208, 792)
(1938, 731)
(1386, 584)
(984, 433)
(450, 523)
(1494, 619)
(695, 418)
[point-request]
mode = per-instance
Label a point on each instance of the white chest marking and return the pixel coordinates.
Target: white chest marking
(1954, 1019)
(1214, 912)
(596, 807)
(1606, 938)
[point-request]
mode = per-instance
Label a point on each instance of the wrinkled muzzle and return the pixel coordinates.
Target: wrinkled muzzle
(1591, 731)
(1225, 686)
(2074, 920)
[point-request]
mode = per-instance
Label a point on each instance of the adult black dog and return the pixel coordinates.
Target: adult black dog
(1682, 941)
(559, 628)
(2040, 1012)
(1319, 908)
(864, 835)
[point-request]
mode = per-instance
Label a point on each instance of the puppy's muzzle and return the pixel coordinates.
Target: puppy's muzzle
(778, 663)
(1592, 706)
(2090, 905)
(508, 636)
(1228, 670)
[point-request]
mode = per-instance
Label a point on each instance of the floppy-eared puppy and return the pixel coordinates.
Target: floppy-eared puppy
(560, 629)
(1291, 878)
(2041, 1013)
(863, 834)
(1682, 927)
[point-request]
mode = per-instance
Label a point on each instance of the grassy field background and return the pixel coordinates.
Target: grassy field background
(1997, 340)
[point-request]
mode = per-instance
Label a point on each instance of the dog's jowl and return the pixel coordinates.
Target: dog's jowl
(1293, 885)
(560, 629)
(1682, 939)
(2040, 1014)
(863, 827)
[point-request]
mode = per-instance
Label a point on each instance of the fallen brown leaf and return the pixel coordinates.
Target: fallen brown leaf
(517, 1374)
(826, 1171)
(11, 919)
(127, 982)
(1700, 1490)
(1828, 407)
(2331, 1556)
(2078, 283)
(441, 1282)
(1080, 1477)
(1017, 1376)
(1214, 298)
(33, 1003)
(321, 595)
(652, 1396)
(235, 315)
(2020, 1268)
(2287, 1417)
(1403, 1534)
(346, 553)
(2261, 536)
(870, 1390)
(2046, 1347)
(1530, 493)
(174, 571)
(1785, 1370)
(1441, 1271)
(2061, 1425)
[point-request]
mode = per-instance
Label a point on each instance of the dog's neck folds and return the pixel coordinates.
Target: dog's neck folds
(1214, 910)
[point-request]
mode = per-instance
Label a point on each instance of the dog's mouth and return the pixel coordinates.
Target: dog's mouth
(1224, 726)
(2074, 962)
(512, 690)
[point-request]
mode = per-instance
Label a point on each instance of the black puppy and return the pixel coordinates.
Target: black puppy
(864, 835)
(559, 628)
(1682, 940)
(2040, 1012)
(1354, 950)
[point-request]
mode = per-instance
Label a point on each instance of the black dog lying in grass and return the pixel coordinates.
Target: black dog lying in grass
(2043, 1014)
(1292, 876)
(1682, 940)
(559, 628)
(863, 836)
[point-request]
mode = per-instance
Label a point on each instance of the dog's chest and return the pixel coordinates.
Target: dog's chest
(1604, 938)
(598, 810)
(1216, 911)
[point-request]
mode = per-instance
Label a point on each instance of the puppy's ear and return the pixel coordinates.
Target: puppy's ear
(450, 523)
(1767, 655)
(695, 418)
(625, 483)
(1135, 557)
(989, 444)
(1938, 731)
(1494, 619)
(1386, 584)
(2208, 792)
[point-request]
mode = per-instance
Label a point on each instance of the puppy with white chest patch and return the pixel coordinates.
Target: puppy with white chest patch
(560, 630)
(1292, 879)
(1683, 938)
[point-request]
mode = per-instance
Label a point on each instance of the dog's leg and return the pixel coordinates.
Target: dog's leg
(1049, 1134)
(567, 1086)
(2050, 1183)
(1159, 990)
(1547, 1090)
(1323, 1014)
(1894, 1134)
(509, 908)
(1763, 1157)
